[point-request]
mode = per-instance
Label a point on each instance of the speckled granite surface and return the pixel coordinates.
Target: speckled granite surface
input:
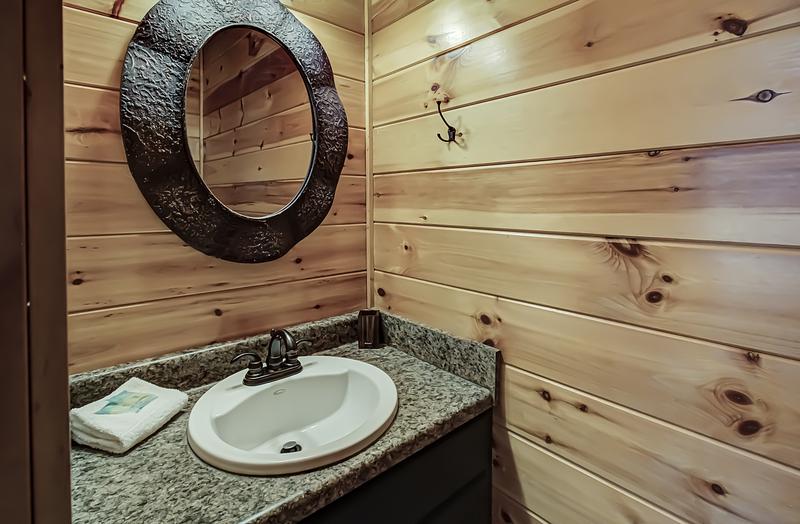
(197, 367)
(466, 358)
(162, 481)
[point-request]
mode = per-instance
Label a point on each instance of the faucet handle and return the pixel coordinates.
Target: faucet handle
(254, 367)
(293, 353)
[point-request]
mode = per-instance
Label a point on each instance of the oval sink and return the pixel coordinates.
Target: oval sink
(332, 409)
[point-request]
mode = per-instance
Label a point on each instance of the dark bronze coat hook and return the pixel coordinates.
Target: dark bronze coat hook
(451, 131)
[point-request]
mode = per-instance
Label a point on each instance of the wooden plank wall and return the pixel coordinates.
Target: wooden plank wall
(135, 290)
(620, 216)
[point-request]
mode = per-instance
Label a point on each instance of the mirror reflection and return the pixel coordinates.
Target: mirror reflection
(248, 102)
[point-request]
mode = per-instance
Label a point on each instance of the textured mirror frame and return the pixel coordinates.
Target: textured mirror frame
(152, 112)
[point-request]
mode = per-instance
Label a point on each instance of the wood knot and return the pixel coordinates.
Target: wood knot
(766, 95)
(583, 407)
(505, 517)
(737, 397)
(489, 342)
(485, 319)
(350, 156)
(654, 153)
(545, 395)
(735, 26)
(628, 247)
(654, 297)
(548, 439)
(298, 260)
(748, 427)
(218, 312)
(406, 247)
(77, 282)
(762, 97)
(716, 488)
(589, 44)
(381, 292)
(752, 356)
(667, 279)
(317, 306)
(435, 87)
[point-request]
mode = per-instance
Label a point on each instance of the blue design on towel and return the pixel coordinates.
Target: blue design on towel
(126, 402)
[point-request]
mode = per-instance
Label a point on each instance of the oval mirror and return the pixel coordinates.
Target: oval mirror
(249, 122)
(247, 193)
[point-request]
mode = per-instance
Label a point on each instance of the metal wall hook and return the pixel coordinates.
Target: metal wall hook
(451, 131)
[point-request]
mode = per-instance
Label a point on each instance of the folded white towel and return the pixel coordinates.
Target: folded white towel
(119, 421)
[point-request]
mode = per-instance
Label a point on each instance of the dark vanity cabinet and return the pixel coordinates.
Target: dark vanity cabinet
(446, 482)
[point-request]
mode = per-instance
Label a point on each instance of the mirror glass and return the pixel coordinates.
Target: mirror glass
(249, 121)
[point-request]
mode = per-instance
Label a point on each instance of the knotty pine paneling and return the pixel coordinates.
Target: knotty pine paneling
(102, 337)
(561, 492)
(122, 253)
(591, 129)
(505, 510)
(94, 46)
(348, 13)
(580, 39)
(638, 108)
(444, 24)
(102, 199)
(281, 95)
(744, 193)
(679, 471)
(384, 12)
(292, 125)
(114, 270)
(708, 291)
(92, 130)
(707, 388)
(278, 162)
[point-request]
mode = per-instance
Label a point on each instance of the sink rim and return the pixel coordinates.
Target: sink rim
(209, 446)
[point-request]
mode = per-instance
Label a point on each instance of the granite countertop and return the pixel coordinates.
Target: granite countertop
(162, 481)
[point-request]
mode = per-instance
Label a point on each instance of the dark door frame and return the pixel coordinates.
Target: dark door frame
(34, 443)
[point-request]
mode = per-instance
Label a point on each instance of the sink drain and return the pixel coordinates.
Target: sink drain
(291, 447)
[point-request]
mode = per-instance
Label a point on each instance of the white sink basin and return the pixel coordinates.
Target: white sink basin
(333, 408)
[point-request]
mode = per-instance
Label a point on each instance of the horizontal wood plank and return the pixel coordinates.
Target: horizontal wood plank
(745, 194)
(293, 125)
(113, 270)
(506, 510)
(91, 124)
(95, 47)
(744, 296)
(445, 24)
(583, 38)
(110, 336)
(616, 112)
(345, 49)
(223, 61)
(385, 12)
(282, 162)
(687, 382)
(92, 128)
(103, 199)
(675, 469)
(284, 94)
(560, 492)
(260, 199)
(346, 13)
